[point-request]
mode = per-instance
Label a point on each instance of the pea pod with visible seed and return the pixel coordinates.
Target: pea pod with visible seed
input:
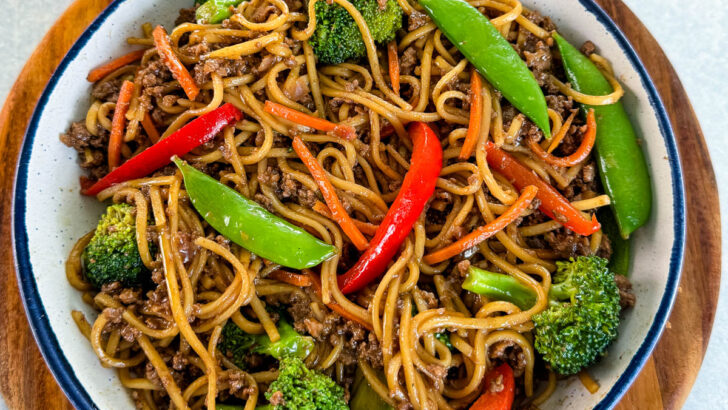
(249, 225)
(484, 46)
(621, 163)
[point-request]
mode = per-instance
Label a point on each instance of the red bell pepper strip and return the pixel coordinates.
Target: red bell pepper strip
(417, 188)
(553, 204)
(184, 140)
(498, 391)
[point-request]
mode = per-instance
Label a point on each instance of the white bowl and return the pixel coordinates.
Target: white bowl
(50, 214)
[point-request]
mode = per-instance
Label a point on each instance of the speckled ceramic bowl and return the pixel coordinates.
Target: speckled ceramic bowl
(50, 214)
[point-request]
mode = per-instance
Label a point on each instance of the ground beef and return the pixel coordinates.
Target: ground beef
(511, 353)
(539, 61)
(154, 74)
(222, 67)
(588, 48)
(107, 91)
(627, 299)
(186, 15)
(568, 244)
(416, 20)
(91, 148)
(408, 61)
(561, 104)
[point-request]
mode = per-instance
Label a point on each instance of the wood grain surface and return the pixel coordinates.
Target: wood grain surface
(666, 380)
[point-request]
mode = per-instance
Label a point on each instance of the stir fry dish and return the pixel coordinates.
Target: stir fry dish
(364, 204)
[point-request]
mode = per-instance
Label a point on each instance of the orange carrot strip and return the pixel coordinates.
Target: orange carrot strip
(316, 285)
(179, 71)
(338, 212)
(486, 231)
(150, 128)
(344, 131)
(562, 133)
(118, 123)
(581, 153)
(102, 71)
(291, 278)
(393, 58)
(366, 227)
(476, 116)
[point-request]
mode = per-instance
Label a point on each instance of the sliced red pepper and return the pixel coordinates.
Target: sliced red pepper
(553, 204)
(499, 390)
(417, 187)
(184, 140)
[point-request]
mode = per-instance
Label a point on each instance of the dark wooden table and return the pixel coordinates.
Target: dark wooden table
(665, 381)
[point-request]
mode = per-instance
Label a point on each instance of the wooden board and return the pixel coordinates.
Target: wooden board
(666, 380)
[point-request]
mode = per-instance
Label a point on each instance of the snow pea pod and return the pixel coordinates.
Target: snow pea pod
(621, 163)
(214, 11)
(249, 225)
(483, 45)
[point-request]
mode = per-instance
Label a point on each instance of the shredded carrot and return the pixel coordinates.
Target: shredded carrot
(338, 212)
(344, 131)
(118, 124)
(476, 116)
(316, 285)
(588, 382)
(100, 72)
(562, 132)
(581, 153)
(150, 128)
(291, 278)
(393, 58)
(366, 227)
(179, 71)
(486, 231)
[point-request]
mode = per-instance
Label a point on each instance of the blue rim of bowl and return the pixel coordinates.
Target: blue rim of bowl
(79, 397)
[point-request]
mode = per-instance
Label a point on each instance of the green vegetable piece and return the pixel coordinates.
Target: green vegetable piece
(249, 225)
(622, 165)
(444, 337)
(621, 248)
(305, 389)
(363, 396)
(583, 315)
(215, 11)
(337, 37)
(499, 286)
(237, 345)
(112, 254)
(484, 46)
(231, 407)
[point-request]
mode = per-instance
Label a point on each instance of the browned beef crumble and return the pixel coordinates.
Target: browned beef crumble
(627, 299)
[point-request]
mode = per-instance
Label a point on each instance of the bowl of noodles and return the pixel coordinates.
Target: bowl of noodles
(380, 204)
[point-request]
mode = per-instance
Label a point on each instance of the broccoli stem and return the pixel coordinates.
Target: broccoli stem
(560, 292)
(499, 286)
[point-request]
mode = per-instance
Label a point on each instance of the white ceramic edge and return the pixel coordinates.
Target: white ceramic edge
(67, 215)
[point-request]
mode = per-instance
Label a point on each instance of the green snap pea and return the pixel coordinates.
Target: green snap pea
(484, 46)
(619, 261)
(215, 11)
(249, 225)
(621, 163)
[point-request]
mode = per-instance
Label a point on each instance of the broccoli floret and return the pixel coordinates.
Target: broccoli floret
(304, 389)
(337, 37)
(112, 254)
(582, 317)
(236, 344)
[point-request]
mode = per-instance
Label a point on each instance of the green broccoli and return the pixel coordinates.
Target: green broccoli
(337, 37)
(583, 315)
(237, 344)
(112, 254)
(304, 389)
